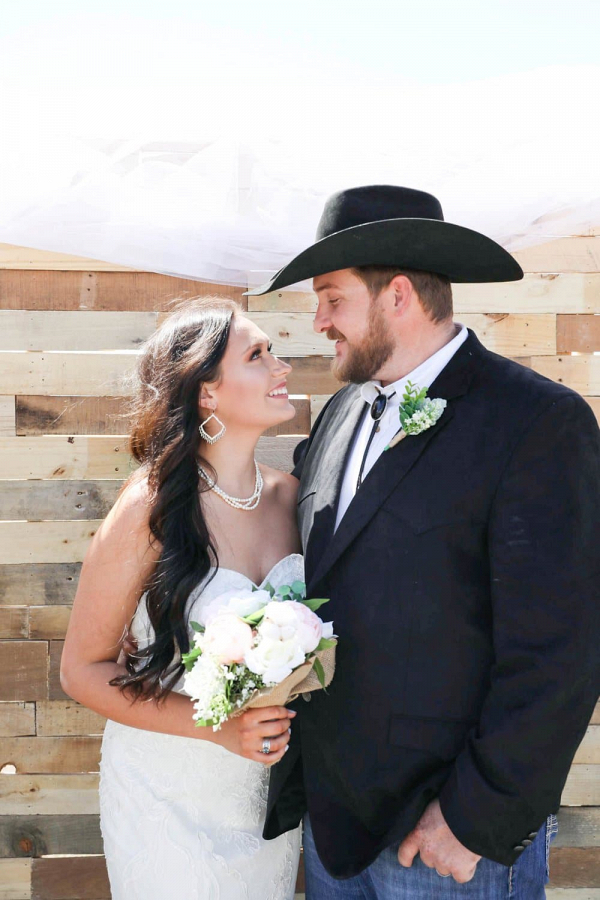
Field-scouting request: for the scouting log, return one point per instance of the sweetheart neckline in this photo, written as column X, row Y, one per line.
column 266, row 578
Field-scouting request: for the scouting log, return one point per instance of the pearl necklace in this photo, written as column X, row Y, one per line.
column 237, row 502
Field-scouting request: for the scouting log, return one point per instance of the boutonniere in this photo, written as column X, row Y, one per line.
column 417, row 412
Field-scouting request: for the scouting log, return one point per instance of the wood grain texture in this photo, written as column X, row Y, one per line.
column 573, row 867
column 66, row 717
column 23, row 670
column 71, row 415
column 48, row 622
column 38, row 500
column 15, row 879
column 65, row 457
column 55, row 691
column 39, row 583
column 51, row 755
column 568, row 254
column 26, row 795
column 577, row 827
column 69, row 878
column 581, row 373
column 14, row 622
column 16, row 257
column 582, row 787
column 32, row 542
column 88, row 330
column 578, row 334
column 103, row 291
column 7, row 416
column 572, row 893
column 17, row 718
column 34, row 836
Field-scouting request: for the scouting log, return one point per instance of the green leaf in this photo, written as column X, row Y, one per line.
column 188, row 659
column 197, row 627
column 314, row 604
column 325, row 644
column 284, row 590
column 204, row 722
column 299, row 587
column 255, row 618
column 320, row 672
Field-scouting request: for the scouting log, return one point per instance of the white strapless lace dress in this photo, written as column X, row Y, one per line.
column 182, row 817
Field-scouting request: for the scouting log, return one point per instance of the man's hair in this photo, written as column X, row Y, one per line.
column 435, row 291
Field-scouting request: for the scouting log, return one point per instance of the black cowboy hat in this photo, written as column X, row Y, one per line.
column 384, row 225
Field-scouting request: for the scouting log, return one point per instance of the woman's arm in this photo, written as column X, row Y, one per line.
column 117, row 564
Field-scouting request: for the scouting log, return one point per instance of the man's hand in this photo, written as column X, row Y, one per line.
column 438, row 847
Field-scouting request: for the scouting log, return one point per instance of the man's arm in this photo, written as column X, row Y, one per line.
column 543, row 543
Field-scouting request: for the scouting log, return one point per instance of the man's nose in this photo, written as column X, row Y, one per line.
column 322, row 321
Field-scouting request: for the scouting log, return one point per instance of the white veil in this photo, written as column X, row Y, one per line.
column 234, row 193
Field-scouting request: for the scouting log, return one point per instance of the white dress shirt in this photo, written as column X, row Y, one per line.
column 389, row 424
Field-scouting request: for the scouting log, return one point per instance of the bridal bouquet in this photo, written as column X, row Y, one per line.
column 257, row 648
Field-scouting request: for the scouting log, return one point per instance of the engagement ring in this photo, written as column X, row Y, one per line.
column 266, row 747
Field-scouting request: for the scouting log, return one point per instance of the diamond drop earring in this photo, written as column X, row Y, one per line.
column 204, row 433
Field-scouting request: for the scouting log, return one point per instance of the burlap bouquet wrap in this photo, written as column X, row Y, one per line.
column 301, row 681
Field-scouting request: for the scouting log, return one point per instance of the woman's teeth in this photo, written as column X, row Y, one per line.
column 280, row 392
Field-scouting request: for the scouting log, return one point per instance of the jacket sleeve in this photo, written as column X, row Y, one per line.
column 543, row 544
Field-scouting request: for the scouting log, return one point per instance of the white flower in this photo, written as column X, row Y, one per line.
column 204, row 681
column 285, row 620
column 242, row 603
column 274, row 659
column 425, row 416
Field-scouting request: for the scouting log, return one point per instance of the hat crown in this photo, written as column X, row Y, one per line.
column 374, row 203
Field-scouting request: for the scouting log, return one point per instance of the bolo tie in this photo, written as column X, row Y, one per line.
column 378, row 408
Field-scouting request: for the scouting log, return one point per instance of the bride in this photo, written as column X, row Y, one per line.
column 182, row 807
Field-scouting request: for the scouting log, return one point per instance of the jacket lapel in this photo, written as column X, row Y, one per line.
column 341, row 430
column 389, row 470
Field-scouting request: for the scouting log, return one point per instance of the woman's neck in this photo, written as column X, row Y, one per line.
column 232, row 458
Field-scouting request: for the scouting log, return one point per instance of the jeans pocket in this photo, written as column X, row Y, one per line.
column 551, row 832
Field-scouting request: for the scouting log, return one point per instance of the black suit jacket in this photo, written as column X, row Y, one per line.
column 464, row 585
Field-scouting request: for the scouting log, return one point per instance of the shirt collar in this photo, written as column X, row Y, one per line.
column 424, row 374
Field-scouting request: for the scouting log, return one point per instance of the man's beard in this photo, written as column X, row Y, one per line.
column 362, row 363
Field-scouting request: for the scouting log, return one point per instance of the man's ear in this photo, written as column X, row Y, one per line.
column 403, row 291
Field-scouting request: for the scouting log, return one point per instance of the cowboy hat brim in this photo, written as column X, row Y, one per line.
column 429, row 245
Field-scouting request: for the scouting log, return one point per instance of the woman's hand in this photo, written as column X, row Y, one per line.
column 245, row 734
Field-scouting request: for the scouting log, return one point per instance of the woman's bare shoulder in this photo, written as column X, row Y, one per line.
column 283, row 485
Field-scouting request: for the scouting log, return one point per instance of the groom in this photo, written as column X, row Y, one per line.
column 461, row 558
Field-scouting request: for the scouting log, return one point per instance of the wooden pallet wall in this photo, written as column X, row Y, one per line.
column 69, row 331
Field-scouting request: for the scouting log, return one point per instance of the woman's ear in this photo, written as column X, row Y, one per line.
column 207, row 399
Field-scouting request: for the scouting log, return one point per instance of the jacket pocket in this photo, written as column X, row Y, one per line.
column 443, row 738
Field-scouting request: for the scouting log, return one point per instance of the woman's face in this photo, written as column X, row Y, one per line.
column 252, row 391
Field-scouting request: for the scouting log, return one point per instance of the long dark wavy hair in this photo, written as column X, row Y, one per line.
column 185, row 352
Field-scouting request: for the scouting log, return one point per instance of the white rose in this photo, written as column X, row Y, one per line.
column 274, row 660
column 241, row 603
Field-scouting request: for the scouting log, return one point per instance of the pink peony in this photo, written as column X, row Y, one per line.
column 309, row 628
column 227, row 639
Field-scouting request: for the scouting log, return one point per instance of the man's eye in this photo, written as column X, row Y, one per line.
column 333, row 302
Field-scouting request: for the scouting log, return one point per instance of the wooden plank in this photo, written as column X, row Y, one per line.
column 106, row 374
column 578, row 827
column 51, row 755
column 66, row 717
column 573, row 867
column 582, row 787
column 579, row 334
column 595, row 720
column 23, row 670
column 35, row 836
column 66, row 330
column 33, row 542
column 25, row 795
column 103, row 291
column 92, row 374
column 15, row 879
column 17, row 718
column 35, row 501
column 55, row 691
column 106, row 415
column 594, row 402
column 588, row 752
column 71, row 415
column 7, row 416
column 317, row 402
column 514, row 334
column 536, row 293
column 573, row 893
column 13, row 622
column 38, row 583
column 47, row 622
column 292, row 334
column 69, row 878
column 17, row 257
column 581, row 373
column 89, row 457
column 568, row 254
column 65, row 457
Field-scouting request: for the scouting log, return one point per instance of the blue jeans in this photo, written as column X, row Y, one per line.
column 386, row 879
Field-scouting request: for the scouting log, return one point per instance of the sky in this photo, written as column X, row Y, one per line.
column 118, row 65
